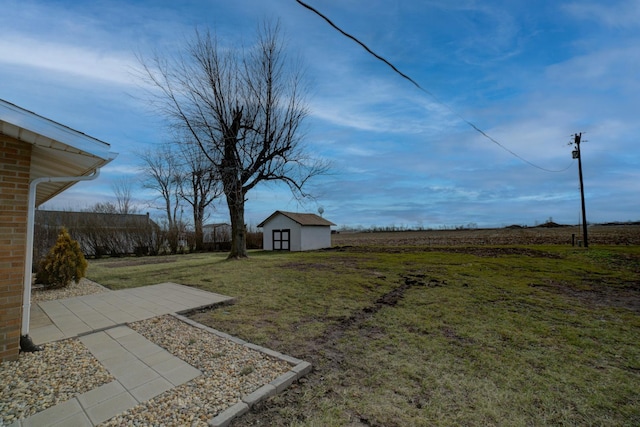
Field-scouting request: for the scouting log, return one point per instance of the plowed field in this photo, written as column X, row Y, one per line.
column 560, row 235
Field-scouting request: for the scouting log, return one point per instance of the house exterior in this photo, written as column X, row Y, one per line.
column 39, row 159
column 288, row 231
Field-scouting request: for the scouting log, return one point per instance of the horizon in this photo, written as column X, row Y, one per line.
column 548, row 223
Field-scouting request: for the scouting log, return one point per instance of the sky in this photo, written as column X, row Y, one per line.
column 485, row 142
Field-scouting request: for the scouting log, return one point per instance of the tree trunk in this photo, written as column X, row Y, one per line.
column 199, row 236
column 172, row 238
column 232, row 184
column 198, row 219
column 235, row 202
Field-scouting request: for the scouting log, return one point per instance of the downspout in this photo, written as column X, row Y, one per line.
column 25, row 341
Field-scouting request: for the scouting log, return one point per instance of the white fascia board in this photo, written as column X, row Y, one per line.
column 34, row 123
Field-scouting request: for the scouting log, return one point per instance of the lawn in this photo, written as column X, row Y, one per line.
column 422, row 336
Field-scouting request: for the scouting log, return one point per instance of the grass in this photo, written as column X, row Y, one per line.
column 530, row 335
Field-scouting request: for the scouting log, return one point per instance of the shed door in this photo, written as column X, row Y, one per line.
column 281, row 240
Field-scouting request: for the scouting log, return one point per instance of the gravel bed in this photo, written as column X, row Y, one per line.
column 37, row 381
column 83, row 287
column 230, row 371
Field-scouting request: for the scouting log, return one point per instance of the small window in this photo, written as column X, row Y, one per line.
column 281, row 240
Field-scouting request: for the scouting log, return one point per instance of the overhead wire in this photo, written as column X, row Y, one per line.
column 405, row 76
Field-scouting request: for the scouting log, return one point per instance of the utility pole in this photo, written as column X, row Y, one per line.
column 576, row 155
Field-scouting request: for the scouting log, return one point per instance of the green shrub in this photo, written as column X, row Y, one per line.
column 63, row 264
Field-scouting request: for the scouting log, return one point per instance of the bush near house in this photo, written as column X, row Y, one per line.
column 63, row 264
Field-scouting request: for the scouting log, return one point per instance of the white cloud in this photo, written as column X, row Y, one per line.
column 72, row 60
column 601, row 69
column 382, row 105
column 620, row 14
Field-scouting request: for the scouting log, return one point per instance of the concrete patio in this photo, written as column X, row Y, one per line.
column 72, row 317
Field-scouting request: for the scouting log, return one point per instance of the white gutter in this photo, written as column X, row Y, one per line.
column 26, row 299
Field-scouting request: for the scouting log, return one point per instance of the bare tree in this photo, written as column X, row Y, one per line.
column 199, row 186
column 244, row 109
column 161, row 171
column 122, row 189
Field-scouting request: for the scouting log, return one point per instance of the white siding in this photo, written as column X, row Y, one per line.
column 315, row 237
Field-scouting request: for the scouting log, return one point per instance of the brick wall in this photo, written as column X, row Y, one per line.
column 15, row 160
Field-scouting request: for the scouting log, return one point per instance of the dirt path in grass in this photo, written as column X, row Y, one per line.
column 329, row 358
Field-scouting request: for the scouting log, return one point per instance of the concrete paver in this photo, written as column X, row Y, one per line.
column 110, row 407
column 54, row 415
column 151, row 389
column 78, row 419
column 100, row 394
column 156, row 358
column 76, row 316
column 181, row 374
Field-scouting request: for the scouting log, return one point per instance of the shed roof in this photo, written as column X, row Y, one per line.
column 58, row 151
column 300, row 218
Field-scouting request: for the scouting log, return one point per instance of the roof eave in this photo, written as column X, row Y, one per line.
column 59, row 151
column 292, row 217
column 27, row 126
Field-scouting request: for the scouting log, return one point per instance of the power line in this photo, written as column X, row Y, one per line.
column 396, row 70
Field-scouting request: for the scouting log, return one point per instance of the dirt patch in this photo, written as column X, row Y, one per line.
column 493, row 252
column 452, row 335
column 305, row 266
column 132, row 262
column 480, row 251
column 605, row 234
column 326, row 355
column 338, row 264
column 333, row 333
column 595, row 293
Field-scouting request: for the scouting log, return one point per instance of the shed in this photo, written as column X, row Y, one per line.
column 39, row 158
column 288, row 231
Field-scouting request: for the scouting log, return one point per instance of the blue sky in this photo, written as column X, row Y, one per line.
column 529, row 74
